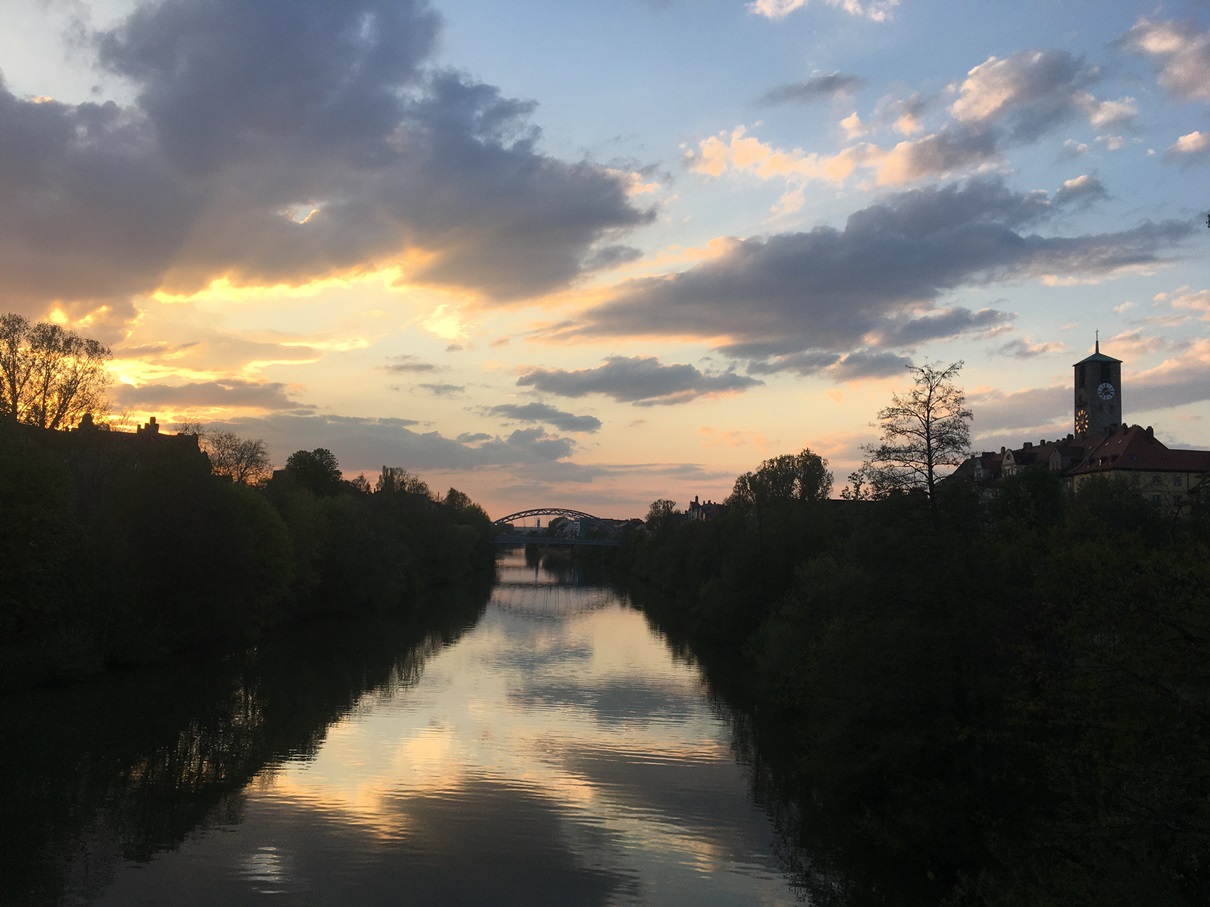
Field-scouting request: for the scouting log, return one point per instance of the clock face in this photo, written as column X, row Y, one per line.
column 1081, row 420
column 1105, row 391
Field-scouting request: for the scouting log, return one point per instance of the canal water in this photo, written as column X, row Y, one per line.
column 532, row 743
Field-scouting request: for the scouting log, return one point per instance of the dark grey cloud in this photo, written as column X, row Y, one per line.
column 1023, row 348
column 281, row 142
column 544, row 412
column 223, row 393
column 813, row 89
column 407, row 363
column 442, row 390
column 819, row 295
column 640, row 379
column 954, row 149
column 366, row 444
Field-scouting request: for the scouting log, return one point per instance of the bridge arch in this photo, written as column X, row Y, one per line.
column 545, row 511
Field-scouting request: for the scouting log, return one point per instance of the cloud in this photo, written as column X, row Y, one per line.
column 1032, row 92
column 1081, row 190
column 816, row 88
column 408, row 363
column 875, row 10
column 641, row 379
column 1180, row 52
column 877, row 282
column 368, row 443
column 948, row 151
column 443, row 390
column 1193, row 144
column 280, row 144
column 542, row 412
column 224, row 394
column 1024, row 348
column 1194, row 300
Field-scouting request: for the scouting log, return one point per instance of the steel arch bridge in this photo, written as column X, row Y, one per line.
column 545, row 511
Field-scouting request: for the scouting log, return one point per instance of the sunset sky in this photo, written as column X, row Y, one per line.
column 590, row 255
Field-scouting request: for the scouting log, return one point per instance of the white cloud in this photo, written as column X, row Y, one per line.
column 875, row 10
column 1180, row 52
column 1193, row 143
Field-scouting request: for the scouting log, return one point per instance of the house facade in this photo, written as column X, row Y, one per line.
column 1101, row 445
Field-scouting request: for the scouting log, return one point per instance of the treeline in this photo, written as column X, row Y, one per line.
column 1006, row 700
column 119, row 548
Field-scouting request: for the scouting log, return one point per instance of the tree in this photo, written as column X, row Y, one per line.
column 316, row 470
column 49, row 376
column 243, row 460
column 922, row 431
column 397, row 479
column 803, row 476
column 661, row 513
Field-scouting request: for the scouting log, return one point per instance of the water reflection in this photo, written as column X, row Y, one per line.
column 552, row 754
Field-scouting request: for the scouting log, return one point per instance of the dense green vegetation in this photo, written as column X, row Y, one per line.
column 119, row 548
column 1007, row 702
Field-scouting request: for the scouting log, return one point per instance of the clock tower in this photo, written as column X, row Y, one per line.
column 1098, row 401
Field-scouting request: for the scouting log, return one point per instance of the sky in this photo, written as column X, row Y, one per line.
column 592, row 255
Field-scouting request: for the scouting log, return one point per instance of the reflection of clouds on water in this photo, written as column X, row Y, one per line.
column 613, row 702
column 564, row 760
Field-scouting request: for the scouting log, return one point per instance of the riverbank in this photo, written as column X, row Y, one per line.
column 125, row 549
column 1006, row 708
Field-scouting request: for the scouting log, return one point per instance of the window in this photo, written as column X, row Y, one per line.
column 1176, row 481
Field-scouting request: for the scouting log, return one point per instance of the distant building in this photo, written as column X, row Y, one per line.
column 699, row 512
column 1101, row 445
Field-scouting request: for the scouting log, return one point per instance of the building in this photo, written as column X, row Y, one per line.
column 1101, row 445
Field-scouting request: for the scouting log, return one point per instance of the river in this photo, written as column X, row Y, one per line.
column 534, row 743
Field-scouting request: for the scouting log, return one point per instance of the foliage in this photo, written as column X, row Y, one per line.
column 49, row 376
column 396, row 479
column 661, row 513
column 802, row 477
column 119, row 548
column 1012, row 700
column 316, row 470
column 922, row 431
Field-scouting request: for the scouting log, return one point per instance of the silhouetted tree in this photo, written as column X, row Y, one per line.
column 243, row 460
column 49, row 376
column 922, row 431
column 316, row 470
column 661, row 513
column 803, row 476
column 398, row 479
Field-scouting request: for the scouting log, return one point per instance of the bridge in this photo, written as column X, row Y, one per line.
column 533, row 538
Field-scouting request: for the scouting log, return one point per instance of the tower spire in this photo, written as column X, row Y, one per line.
column 1098, row 333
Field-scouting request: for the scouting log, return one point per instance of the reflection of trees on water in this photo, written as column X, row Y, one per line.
column 571, row 566
column 824, row 861
column 130, row 764
column 552, row 585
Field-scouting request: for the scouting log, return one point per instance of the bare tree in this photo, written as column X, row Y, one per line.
column 922, row 431
column 239, row 459
column 49, row 376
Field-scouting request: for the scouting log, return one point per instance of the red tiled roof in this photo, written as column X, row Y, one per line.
column 1134, row 447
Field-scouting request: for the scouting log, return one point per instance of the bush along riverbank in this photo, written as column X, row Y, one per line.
column 125, row 548
column 1005, row 701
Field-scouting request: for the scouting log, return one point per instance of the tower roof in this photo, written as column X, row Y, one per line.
column 1098, row 356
